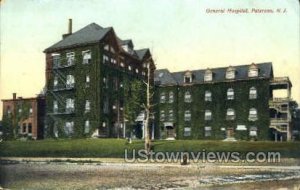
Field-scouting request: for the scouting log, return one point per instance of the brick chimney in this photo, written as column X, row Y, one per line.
column 14, row 96
column 69, row 29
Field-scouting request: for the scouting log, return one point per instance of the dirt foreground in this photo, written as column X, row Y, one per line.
column 115, row 174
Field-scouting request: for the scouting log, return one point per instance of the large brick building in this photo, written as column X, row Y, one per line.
column 26, row 115
column 85, row 75
column 219, row 103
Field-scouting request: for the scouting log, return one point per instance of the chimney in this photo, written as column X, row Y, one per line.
column 70, row 26
column 69, row 29
column 14, row 96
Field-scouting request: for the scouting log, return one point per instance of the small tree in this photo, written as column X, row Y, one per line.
column 134, row 91
column 7, row 127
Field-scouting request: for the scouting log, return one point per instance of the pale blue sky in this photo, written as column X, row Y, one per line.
column 180, row 33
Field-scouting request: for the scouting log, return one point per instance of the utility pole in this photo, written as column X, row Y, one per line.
column 148, row 109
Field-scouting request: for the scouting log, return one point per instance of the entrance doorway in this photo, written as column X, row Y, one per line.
column 229, row 133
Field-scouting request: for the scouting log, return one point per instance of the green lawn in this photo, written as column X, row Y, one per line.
column 114, row 148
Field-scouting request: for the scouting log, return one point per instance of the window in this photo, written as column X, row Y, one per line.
column 8, row 110
column 30, row 110
column 187, row 97
column 70, row 81
column 187, row 115
column 55, row 82
column 87, row 106
column 171, row 115
column 56, row 60
column 86, row 126
column 55, row 106
column 29, row 128
column 187, row 132
column 208, row 76
column 70, row 105
column 105, row 82
column 171, row 97
column 207, row 97
column 122, row 64
column 24, row 128
column 129, row 68
column 105, row 58
column 207, row 131
column 86, row 56
column 143, row 73
column 162, row 97
column 230, row 94
column 105, row 105
column 20, row 110
column 115, row 83
column 230, row 115
column 230, row 73
column 106, row 47
column 137, row 71
column 253, row 70
column 252, row 114
column 162, row 115
column 69, row 128
column 252, row 93
column 253, row 131
column 70, row 58
column 208, row 115
column 87, row 81
column 113, row 61
column 112, row 49
column 188, row 77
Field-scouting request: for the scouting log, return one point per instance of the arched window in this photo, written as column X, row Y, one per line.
column 230, row 94
column 208, row 115
column 207, row 96
column 253, row 70
column 171, row 97
column 230, row 115
column 187, row 97
column 252, row 114
column 187, row 115
column 252, row 93
column 230, row 72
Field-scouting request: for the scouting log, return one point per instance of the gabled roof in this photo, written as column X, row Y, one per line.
column 126, row 42
column 141, row 53
column 265, row 71
column 92, row 33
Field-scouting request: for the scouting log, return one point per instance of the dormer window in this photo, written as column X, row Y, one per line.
column 208, row 76
column 253, row 70
column 230, row 73
column 188, row 77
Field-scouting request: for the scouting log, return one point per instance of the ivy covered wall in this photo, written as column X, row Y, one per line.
column 218, row 106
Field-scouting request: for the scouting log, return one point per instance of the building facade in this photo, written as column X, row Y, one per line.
column 236, row 102
column 85, row 76
column 26, row 114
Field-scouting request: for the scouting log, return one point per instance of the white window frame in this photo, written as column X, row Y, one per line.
column 86, row 126
column 253, row 131
column 207, row 96
column 70, row 105
column 171, row 115
column 252, row 72
column 163, row 97
column 187, row 97
column 87, row 106
column 187, row 115
column 69, row 128
column 207, row 131
column 70, row 81
column 252, row 114
column 208, row 115
column 252, row 93
column 171, row 97
column 162, row 115
column 70, row 58
column 208, row 76
column 55, row 106
column 230, row 114
column 86, row 57
column 187, row 132
column 230, row 94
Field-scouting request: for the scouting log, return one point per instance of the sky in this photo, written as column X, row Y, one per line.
column 180, row 34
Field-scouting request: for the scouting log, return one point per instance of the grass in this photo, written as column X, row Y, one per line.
column 114, row 148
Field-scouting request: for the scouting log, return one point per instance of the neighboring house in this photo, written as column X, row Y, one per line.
column 218, row 103
column 296, row 128
column 27, row 114
column 85, row 74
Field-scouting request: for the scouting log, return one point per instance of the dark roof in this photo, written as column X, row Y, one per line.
column 168, row 78
column 141, row 53
column 126, row 42
column 92, row 33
